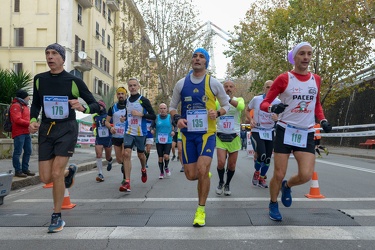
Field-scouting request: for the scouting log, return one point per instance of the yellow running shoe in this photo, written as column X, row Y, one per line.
column 209, row 175
column 200, row 218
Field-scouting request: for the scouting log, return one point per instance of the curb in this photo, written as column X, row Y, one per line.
column 35, row 180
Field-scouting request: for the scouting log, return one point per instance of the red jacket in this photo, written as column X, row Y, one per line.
column 20, row 118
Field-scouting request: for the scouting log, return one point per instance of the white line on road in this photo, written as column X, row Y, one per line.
column 347, row 166
column 188, row 233
column 194, row 199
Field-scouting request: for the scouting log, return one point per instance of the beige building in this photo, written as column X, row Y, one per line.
column 84, row 27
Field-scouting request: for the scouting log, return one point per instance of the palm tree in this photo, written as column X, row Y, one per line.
column 10, row 82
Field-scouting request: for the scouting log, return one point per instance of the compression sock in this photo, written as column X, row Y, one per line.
column 221, row 174
column 264, row 169
column 230, row 174
column 161, row 167
column 99, row 164
column 257, row 165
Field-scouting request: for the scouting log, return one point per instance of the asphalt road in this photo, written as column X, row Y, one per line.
column 158, row 214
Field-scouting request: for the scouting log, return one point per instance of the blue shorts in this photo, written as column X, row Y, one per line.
column 138, row 141
column 195, row 145
column 104, row 141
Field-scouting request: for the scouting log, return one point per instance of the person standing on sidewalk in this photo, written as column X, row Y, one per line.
column 298, row 91
column 163, row 129
column 138, row 111
column 103, row 140
column 262, row 135
column 20, row 119
column 228, row 141
column 115, row 122
column 197, row 93
column 56, row 92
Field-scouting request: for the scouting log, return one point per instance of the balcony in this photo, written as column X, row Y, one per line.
column 113, row 5
column 86, row 3
column 83, row 64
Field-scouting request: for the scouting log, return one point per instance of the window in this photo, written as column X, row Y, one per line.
column 17, row 67
column 97, row 34
column 98, row 5
column 109, row 17
column 96, row 58
column 108, row 66
column 103, row 36
column 109, row 42
column 77, row 41
column 18, row 37
column 79, row 14
column 104, row 14
column 101, row 61
column 16, row 5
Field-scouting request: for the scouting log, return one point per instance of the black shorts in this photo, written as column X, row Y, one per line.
column 163, row 149
column 104, row 141
column 280, row 147
column 57, row 140
column 117, row 141
column 175, row 137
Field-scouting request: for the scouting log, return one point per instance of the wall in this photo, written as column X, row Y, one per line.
column 6, row 148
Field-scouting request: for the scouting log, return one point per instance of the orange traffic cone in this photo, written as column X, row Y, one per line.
column 48, row 185
column 314, row 188
column 66, row 202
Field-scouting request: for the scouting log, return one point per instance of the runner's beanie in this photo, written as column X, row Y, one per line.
column 60, row 49
column 205, row 53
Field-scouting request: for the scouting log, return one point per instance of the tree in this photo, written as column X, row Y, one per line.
column 339, row 31
column 173, row 29
column 11, row 81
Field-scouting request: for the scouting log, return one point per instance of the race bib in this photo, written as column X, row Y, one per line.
column 56, row 107
column 295, row 136
column 120, row 128
column 162, row 138
column 103, row 131
column 265, row 134
column 197, row 120
column 226, row 123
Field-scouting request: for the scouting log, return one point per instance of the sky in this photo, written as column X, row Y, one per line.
column 224, row 14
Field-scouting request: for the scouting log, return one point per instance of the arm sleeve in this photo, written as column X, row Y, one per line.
column 318, row 106
column 146, row 104
column 220, row 93
column 35, row 105
column 278, row 87
column 241, row 103
column 176, row 96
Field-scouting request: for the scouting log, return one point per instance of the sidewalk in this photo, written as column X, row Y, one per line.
column 85, row 159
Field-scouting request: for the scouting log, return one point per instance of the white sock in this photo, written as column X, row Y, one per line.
column 99, row 164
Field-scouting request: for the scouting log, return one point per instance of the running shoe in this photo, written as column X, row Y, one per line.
column 182, row 169
column 256, row 178
column 262, row 183
column 69, row 179
column 209, row 175
column 274, row 211
column 219, row 189
column 161, row 176
column 125, row 187
column 168, row 172
column 200, row 218
column 109, row 166
column 57, row 224
column 144, row 175
column 319, row 156
column 286, row 197
column 173, row 158
column 100, row 178
column 227, row 191
column 326, row 151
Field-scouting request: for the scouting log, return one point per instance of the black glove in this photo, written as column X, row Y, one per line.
column 326, row 126
column 278, row 108
column 176, row 117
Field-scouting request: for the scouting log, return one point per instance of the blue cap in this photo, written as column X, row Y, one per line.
column 205, row 53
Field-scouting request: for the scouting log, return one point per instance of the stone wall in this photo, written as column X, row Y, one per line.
column 6, row 148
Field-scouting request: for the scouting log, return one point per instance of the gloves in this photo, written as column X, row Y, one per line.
column 278, row 108
column 326, row 126
column 176, row 117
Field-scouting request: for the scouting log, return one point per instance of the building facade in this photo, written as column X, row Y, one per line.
column 86, row 28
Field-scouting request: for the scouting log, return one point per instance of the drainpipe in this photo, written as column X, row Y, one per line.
column 57, row 20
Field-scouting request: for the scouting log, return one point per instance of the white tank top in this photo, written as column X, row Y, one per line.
column 262, row 119
column 301, row 98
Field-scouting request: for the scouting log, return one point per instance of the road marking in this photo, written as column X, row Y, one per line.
column 347, row 166
column 359, row 212
column 127, row 200
column 186, row 233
